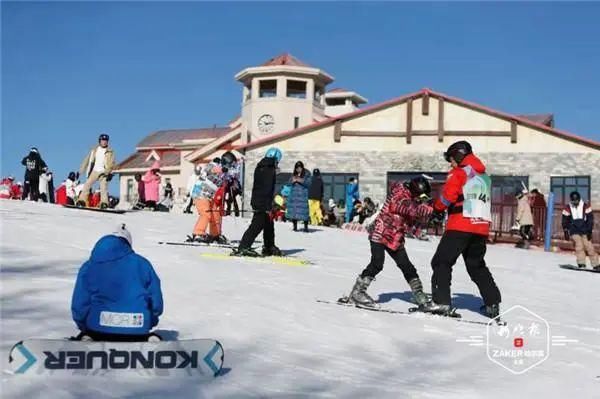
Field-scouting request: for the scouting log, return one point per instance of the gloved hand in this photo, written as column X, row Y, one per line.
column 109, row 177
column 567, row 235
column 436, row 218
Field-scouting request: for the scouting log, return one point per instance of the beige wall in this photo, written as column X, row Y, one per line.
column 455, row 118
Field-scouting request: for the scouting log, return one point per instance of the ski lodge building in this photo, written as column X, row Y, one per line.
column 288, row 104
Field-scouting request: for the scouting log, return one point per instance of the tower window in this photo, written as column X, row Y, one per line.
column 336, row 101
column 267, row 88
column 296, row 122
column 296, row 89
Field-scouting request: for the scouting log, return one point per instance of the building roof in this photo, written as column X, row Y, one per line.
column 285, row 59
column 338, row 90
column 398, row 100
column 139, row 160
column 543, row 119
column 168, row 138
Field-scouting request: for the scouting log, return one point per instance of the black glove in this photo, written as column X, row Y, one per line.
column 109, row 177
column 567, row 235
column 436, row 218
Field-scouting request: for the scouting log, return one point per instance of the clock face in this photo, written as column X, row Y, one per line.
column 266, row 123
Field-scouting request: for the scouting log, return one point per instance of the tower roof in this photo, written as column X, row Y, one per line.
column 286, row 59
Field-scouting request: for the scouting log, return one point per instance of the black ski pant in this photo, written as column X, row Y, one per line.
column 236, row 209
column 399, row 256
column 525, row 232
column 31, row 187
column 260, row 222
column 188, row 208
column 472, row 247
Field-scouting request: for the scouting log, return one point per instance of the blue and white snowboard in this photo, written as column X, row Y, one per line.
column 201, row 358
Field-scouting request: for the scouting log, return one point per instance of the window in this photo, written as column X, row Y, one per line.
column 296, row 89
column 296, row 122
column 563, row 186
column 336, row 101
column 267, row 88
column 504, row 188
column 334, row 185
column 130, row 190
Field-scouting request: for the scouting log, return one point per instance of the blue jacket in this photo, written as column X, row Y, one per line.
column 351, row 195
column 297, row 201
column 117, row 291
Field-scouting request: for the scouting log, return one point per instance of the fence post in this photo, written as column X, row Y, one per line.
column 549, row 217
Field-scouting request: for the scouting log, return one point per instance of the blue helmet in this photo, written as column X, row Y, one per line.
column 274, row 152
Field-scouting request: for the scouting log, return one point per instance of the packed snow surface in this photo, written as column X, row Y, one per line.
column 279, row 342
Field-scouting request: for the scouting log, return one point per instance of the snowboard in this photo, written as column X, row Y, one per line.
column 201, row 358
column 197, row 244
column 581, row 269
column 410, row 311
column 107, row 210
column 281, row 260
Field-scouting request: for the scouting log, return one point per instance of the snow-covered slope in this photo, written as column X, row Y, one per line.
column 279, row 342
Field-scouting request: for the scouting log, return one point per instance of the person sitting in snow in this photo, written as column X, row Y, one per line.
column 117, row 295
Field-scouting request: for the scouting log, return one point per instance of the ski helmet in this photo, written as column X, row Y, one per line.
column 198, row 169
column 274, row 152
column 72, row 176
column 228, row 159
column 122, row 232
column 458, row 151
column 575, row 196
column 103, row 136
column 419, row 187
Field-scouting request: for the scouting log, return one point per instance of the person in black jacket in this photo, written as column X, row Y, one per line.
column 315, row 197
column 263, row 191
column 34, row 164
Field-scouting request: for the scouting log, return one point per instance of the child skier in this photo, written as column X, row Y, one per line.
column 117, row 295
column 404, row 205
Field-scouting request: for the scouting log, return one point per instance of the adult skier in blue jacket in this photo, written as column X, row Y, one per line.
column 351, row 195
column 117, row 296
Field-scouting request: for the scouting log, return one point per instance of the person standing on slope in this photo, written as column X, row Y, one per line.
column 263, row 191
column 351, row 195
column 117, row 295
column 97, row 166
column 34, row 165
column 467, row 197
column 297, row 201
column 406, row 203
column 578, row 223
column 152, row 179
column 315, row 197
column 524, row 219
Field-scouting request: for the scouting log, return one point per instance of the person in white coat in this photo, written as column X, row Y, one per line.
column 190, row 187
column 44, row 183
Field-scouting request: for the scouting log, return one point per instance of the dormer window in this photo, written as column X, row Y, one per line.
column 296, row 89
column 267, row 88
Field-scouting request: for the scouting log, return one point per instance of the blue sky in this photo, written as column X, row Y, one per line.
column 73, row 70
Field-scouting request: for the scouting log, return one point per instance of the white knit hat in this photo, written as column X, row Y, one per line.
column 121, row 231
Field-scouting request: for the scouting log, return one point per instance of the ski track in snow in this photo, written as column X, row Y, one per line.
column 279, row 342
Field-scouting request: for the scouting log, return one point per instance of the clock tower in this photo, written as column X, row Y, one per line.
column 282, row 94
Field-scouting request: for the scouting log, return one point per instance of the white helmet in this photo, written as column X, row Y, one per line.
column 198, row 169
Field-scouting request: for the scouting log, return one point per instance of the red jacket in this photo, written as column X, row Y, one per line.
column 398, row 213
column 452, row 198
column 60, row 195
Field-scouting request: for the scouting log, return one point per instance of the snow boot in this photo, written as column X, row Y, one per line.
column 272, row 251
column 103, row 205
column 220, row 239
column 359, row 295
column 581, row 265
column 80, row 204
column 245, row 252
column 203, row 238
column 491, row 311
column 419, row 296
column 596, row 268
column 439, row 309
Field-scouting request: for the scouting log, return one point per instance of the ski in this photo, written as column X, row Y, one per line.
column 197, row 244
column 107, row 210
column 410, row 312
column 581, row 269
column 201, row 358
column 282, row 260
column 456, row 316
